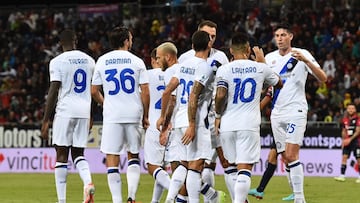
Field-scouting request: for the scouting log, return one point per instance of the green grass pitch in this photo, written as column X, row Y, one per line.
column 28, row 188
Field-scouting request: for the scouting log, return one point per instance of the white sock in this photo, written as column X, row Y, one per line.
column 61, row 172
column 133, row 177
column 209, row 192
column 84, row 171
column 177, row 181
column 181, row 198
column 207, row 176
column 230, row 176
column 114, row 182
column 288, row 177
column 162, row 177
column 297, row 178
column 157, row 192
column 242, row 185
column 193, row 185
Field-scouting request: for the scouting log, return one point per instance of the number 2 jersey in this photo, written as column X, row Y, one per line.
column 120, row 73
column 156, row 88
column 191, row 70
column 74, row 69
column 243, row 80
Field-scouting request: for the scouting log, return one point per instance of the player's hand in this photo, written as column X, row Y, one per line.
column 346, row 141
column 160, row 123
column 259, row 54
column 163, row 138
column 45, row 130
column 188, row 136
column 270, row 91
column 145, row 123
column 298, row 55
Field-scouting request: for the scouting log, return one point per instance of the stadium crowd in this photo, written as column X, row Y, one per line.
column 28, row 41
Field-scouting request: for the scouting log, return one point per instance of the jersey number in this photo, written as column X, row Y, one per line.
column 158, row 103
column 80, row 81
column 126, row 81
column 239, row 93
column 185, row 90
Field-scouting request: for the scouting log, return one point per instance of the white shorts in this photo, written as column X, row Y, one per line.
column 175, row 150
column 241, row 146
column 119, row 137
column 200, row 147
column 288, row 130
column 70, row 131
column 153, row 151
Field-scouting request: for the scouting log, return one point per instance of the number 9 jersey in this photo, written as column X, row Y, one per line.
column 74, row 69
column 120, row 73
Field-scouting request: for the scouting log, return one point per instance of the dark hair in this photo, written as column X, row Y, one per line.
column 207, row 23
column 67, row 37
column 240, row 38
column 200, row 40
column 118, row 36
column 153, row 53
column 284, row 26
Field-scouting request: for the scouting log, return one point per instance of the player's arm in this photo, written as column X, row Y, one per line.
column 96, row 94
column 316, row 70
column 268, row 97
column 192, row 109
column 220, row 103
column 50, row 107
column 145, row 99
column 174, row 82
column 356, row 133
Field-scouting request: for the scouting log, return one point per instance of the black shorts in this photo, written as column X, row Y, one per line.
column 352, row 147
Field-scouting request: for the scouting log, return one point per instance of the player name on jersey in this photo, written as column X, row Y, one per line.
column 237, row 70
column 118, row 61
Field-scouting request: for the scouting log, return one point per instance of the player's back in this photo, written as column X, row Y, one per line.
column 120, row 73
column 156, row 88
column 186, row 75
column 244, row 81
column 74, row 69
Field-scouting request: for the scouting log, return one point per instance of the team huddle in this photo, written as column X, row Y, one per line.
column 196, row 108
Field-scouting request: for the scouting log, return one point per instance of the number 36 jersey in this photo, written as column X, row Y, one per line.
column 243, row 80
column 120, row 73
column 74, row 69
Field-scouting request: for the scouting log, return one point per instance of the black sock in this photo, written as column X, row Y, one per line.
column 343, row 169
column 269, row 172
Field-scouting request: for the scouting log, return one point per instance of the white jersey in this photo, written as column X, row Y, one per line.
column 216, row 57
column 74, row 69
column 193, row 69
column 120, row 73
column 156, row 88
column 244, row 81
column 291, row 98
column 170, row 72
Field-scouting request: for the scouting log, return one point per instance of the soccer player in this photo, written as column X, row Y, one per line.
column 70, row 96
column 239, row 86
column 216, row 59
column 351, row 140
column 122, row 76
column 289, row 113
column 153, row 151
column 183, row 82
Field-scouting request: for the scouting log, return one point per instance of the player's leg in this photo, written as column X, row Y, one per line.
column 61, row 172
column 357, row 156
column 177, row 151
column 269, row 172
column 294, row 137
column 61, row 140
column 345, row 155
column 247, row 149
column 133, row 136
column 112, row 142
column 154, row 158
column 81, row 132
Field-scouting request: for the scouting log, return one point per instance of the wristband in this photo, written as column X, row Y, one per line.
column 217, row 115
